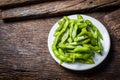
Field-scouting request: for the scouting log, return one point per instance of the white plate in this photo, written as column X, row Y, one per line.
column 98, row 58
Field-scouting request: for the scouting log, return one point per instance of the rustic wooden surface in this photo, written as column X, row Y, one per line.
column 13, row 2
column 5, row 4
column 113, row 20
column 24, row 53
column 57, row 7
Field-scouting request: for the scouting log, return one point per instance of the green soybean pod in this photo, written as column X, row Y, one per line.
column 80, row 61
column 56, row 33
column 69, row 40
column 74, row 33
column 75, row 55
column 100, row 46
column 66, row 46
column 71, row 29
column 65, row 36
column 87, row 55
column 72, row 56
column 61, row 32
column 97, row 31
column 80, row 49
column 94, row 28
column 61, row 52
column 80, row 55
column 95, row 34
column 66, row 18
column 84, row 41
column 80, row 18
column 89, row 34
column 99, row 34
column 93, row 41
column 62, row 58
column 89, row 61
column 80, row 38
column 69, row 60
column 74, row 44
column 82, row 25
column 54, row 44
column 88, row 22
column 61, row 24
column 83, row 32
column 56, row 53
column 96, row 48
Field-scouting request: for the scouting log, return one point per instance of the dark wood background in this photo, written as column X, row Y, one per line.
column 24, row 29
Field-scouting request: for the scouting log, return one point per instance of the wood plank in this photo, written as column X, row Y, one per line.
column 4, row 4
column 113, row 21
column 57, row 7
column 37, row 76
column 11, row 2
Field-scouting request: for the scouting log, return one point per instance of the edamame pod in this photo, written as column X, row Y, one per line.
column 80, row 49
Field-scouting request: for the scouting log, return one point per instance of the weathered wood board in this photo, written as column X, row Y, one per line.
column 58, row 8
column 113, row 20
column 24, row 53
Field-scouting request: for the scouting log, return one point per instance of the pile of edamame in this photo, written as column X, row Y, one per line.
column 76, row 40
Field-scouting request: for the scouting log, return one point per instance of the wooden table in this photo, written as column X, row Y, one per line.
column 24, row 52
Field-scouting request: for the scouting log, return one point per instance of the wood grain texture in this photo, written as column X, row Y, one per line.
column 6, row 4
column 57, row 7
column 11, row 2
column 24, row 54
column 113, row 20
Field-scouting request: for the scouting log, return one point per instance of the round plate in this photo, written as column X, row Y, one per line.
column 97, row 59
